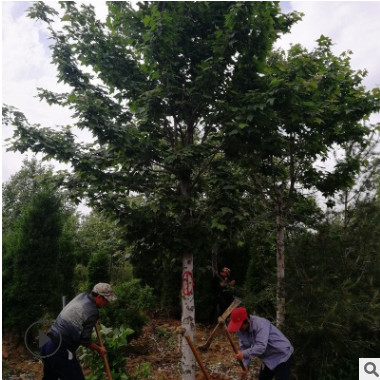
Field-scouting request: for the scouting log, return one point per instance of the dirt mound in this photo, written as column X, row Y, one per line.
column 157, row 350
column 18, row 363
column 160, row 345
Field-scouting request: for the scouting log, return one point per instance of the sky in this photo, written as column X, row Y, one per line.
column 26, row 61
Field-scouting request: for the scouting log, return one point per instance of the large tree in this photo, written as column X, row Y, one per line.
column 151, row 84
column 307, row 105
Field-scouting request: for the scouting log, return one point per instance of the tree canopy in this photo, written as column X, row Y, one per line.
column 151, row 84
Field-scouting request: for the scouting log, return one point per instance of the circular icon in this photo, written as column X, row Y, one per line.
column 372, row 370
column 36, row 336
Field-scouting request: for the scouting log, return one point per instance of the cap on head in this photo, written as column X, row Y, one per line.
column 105, row 290
column 225, row 272
column 238, row 316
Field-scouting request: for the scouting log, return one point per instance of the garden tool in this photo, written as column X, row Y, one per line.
column 221, row 321
column 106, row 364
column 197, row 356
column 228, row 335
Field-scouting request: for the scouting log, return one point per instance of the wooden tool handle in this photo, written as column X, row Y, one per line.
column 228, row 335
column 197, row 356
column 221, row 321
column 106, row 364
column 206, row 346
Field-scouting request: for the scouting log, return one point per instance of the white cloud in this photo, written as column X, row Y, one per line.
column 25, row 66
column 351, row 26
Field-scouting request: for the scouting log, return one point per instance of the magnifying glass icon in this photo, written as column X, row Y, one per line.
column 370, row 368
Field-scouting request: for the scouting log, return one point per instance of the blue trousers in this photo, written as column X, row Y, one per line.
column 63, row 365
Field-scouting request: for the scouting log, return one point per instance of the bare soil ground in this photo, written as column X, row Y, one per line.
column 159, row 345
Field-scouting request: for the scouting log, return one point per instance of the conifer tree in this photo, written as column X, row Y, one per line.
column 32, row 277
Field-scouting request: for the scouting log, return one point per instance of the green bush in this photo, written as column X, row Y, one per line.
column 143, row 371
column 98, row 268
column 114, row 339
column 133, row 301
column 80, row 280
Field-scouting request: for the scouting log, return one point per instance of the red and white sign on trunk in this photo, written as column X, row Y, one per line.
column 187, row 283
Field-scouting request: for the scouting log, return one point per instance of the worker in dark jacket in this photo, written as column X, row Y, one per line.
column 259, row 337
column 225, row 293
column 72, row 328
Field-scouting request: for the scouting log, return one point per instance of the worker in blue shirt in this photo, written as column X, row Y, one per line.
column 259, row 337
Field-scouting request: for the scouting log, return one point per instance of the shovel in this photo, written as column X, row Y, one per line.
column 228, row 335
column 106, row 364
column 221, row 321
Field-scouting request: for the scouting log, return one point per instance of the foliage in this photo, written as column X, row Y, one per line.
column 17, row 193
column 260, row 278
column 133, row 301
column 192, row 117
column 366, row 182
column 67, row 258
column 114, row 339
column 101, row 247
column 5, row 371
column 143, row 371
column 151, row 84
column 97, row 233
column 333, row 295
column 80, row 279
column 306, row 104
column 33, row 262
column 206, row 294
column 98, row 268
column 261, row 240
column 159, row 76
column 160, row 272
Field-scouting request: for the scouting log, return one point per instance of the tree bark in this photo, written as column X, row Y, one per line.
column 188, row 307
column 280, row 309
column 214, row 259
column 188, row 317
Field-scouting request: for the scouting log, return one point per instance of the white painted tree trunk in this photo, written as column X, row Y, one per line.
column 188, row 317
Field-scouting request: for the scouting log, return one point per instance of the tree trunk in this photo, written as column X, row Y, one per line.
column 280, row 309
column 188, row 317
column 188, row 307
column 214, row 259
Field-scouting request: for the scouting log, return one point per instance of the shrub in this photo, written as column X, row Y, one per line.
column 98, row 268
column 114, row 339
column 133, row 301
column 80, row 280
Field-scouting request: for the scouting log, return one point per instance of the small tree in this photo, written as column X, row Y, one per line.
column 99, row 233
column 335, row 295
column 32, row 280
column 307, row 104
